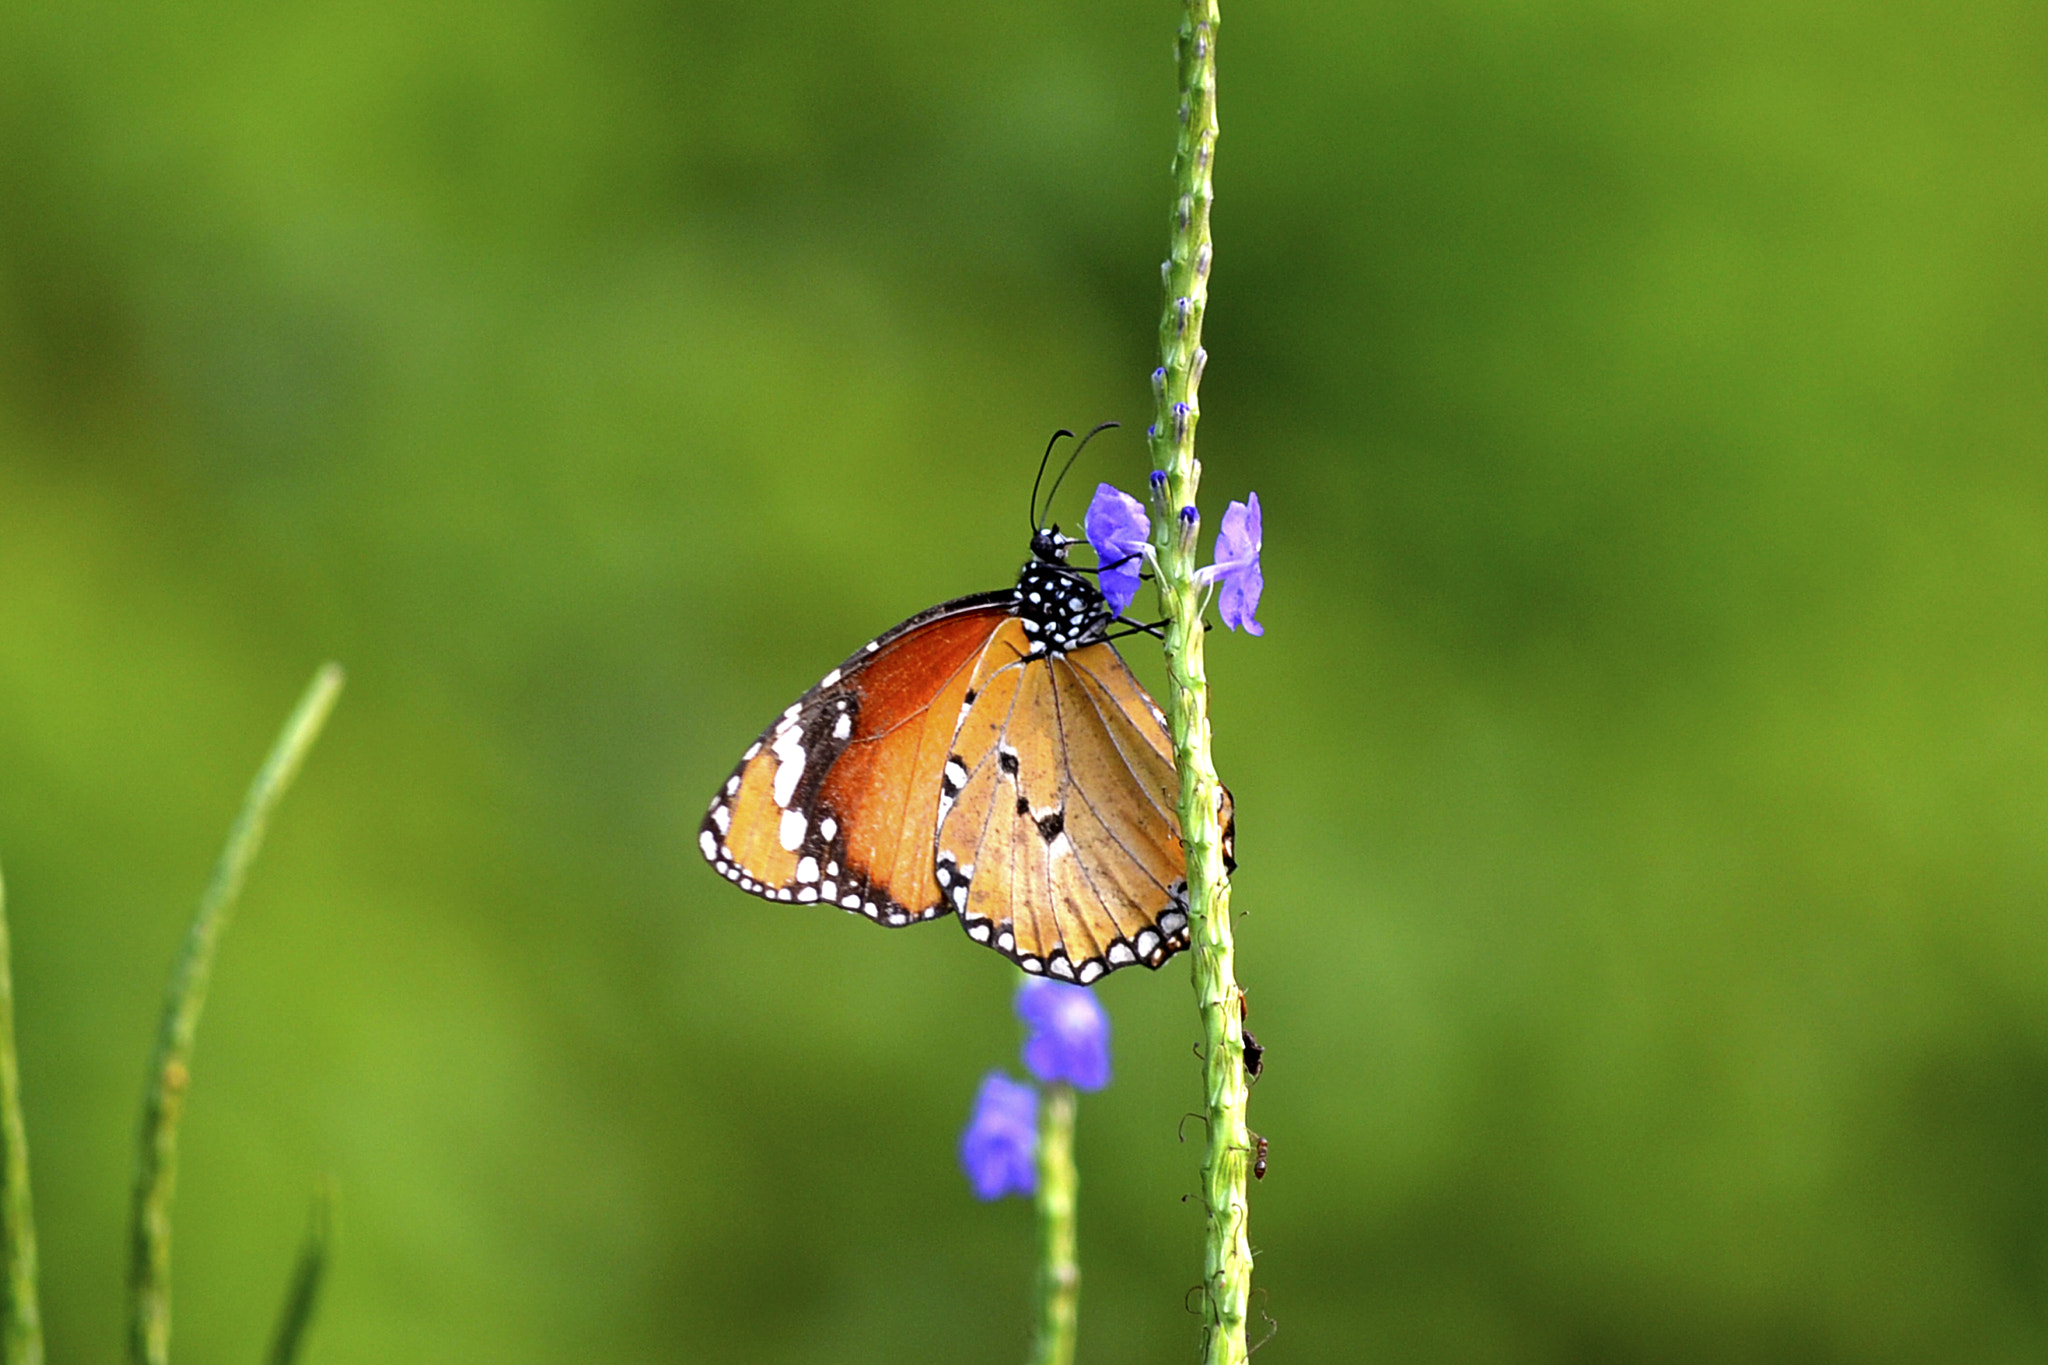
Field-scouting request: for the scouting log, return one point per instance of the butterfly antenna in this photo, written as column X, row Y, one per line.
column 1093, row 432
column 1041, row 472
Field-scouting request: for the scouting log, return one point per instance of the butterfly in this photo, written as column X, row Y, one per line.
column 992, row 757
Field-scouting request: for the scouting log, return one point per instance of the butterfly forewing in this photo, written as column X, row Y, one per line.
column 837, row 800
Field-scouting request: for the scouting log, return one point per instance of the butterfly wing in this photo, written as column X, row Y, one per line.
column 1058, row 841
column 837, row 801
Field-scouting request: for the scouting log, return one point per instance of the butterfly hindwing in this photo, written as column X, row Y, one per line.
column 1058, row 840
column 837, row 800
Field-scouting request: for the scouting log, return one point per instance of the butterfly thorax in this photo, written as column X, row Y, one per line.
column 1060, row 609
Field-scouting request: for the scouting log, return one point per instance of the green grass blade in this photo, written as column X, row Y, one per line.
column 170, row 1068
column 21, row 1317
column 304, row 1291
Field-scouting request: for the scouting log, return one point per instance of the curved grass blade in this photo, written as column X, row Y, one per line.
column 304, row 1291
column 21, row 1318
column 149, row 1270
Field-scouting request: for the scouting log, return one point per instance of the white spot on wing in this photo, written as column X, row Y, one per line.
column 793, row 826
column 828, row 828
column 829, row 678
column 708, row 844
column 721, row 816
column 1091, row 969
column 843, row 727
column 1121, row 955
column 788, row 773
column 807, row 869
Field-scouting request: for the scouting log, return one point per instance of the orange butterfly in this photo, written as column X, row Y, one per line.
column 993, row 757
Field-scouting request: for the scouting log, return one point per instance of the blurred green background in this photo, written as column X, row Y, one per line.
column 1642, row 783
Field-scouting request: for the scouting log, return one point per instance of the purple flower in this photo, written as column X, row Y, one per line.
column 1237, row 567
column 1118, row 528
column 1069, row 1033
column 999, row 1150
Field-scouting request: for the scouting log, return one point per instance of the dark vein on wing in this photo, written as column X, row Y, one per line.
column 1001, row 734
column 1172, row 817
column 1107, row 828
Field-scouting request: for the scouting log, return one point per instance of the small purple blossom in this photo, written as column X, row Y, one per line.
column 999, row 1150
column 1237, row 567
column 1119, row 530
column 1069, row 1033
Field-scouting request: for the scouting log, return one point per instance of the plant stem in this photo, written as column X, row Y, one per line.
column 149, row 1271
column 1227, row 1262
column 21, row 1318
column 1059, row 1275
column 304, row 1291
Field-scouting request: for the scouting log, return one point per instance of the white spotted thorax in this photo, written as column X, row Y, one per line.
column 1058, row 607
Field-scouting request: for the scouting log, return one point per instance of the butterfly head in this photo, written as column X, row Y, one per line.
column 1048, row 546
